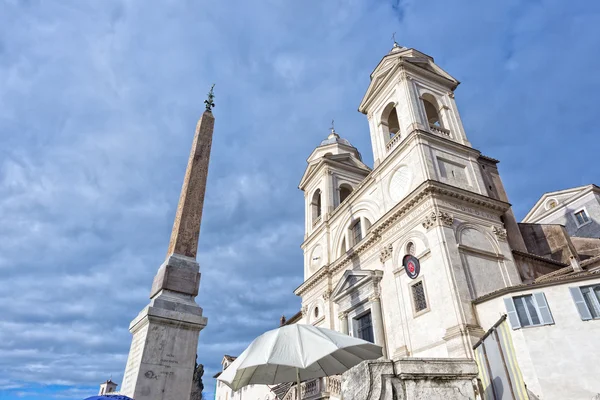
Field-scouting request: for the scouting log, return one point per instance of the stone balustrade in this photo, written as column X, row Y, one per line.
column 439, row 130
column 320, row 388
column 393, row 142
column 317, row 220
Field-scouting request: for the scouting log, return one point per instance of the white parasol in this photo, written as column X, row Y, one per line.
column 297, row 353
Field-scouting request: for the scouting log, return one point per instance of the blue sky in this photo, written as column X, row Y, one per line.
column 98, row 104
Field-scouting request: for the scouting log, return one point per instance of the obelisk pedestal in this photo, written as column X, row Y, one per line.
column 162, row 356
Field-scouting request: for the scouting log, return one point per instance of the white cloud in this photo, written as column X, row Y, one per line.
column 99, row 104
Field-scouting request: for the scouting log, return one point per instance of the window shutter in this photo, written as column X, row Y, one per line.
column 512, row 313
column 577, row 296
column 543, row 308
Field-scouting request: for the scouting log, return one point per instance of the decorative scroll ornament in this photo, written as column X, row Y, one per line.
column 374, row 297
column 386, row 253
column 304, row 310
column 209, row 101
column 343, row 315
column 326, row 295
column 499, row 232
column 440, row 217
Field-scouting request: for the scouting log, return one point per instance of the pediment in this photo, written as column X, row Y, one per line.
column 560, row 197
column 346, row 159
column 389, row 66
column 339, row 161
column 352, row 279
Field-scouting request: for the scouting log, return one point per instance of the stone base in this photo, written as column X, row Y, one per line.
column 162, row 356
column 411, row 378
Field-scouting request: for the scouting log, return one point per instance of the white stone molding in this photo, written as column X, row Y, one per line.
column 326, row 295
column 485, row 206
column 304, row 310
column 386, row 253
column 500, row 233
column 438, row 218
column 374, row 297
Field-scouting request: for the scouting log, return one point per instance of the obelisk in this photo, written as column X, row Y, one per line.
column 162, row 356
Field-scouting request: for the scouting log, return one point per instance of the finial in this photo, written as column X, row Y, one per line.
column 209, row 102
column 394, row 40
column 332, row 126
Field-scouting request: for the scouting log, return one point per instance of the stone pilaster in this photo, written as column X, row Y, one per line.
column 378, row 327
column 343, row 317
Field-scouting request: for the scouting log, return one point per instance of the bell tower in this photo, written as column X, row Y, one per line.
column 335, row 169
column 409, row 91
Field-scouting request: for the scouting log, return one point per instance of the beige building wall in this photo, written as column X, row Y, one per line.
column 561, row 360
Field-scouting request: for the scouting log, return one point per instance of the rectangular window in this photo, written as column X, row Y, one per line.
column 528, row 310
column 418, row 294
column 587, row 301
column 356, row 232
column 581, row 217
column 591, row 295
column 364, row 327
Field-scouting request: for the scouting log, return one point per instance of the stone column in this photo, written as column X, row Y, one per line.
column 377, row 316
column 343, row 316
column 327, row 200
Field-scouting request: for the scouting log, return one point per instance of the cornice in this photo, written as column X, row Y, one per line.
column 428, row 189
column 432, row 188
column 327, row 162
column 443, row 81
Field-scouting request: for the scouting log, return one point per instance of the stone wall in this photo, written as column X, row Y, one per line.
column 548, row 240
column 411, row 378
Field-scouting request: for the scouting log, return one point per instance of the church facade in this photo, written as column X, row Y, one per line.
column 422, row 254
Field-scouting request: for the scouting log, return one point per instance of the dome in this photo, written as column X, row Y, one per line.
column 334, row 138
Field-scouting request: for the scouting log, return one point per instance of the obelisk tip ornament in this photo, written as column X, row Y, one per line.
column 209, row 101
column 186, row 228
column 161, row 360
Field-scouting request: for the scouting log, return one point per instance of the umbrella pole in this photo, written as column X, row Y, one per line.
column 298, row 384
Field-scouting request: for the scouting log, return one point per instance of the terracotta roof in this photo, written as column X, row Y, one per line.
column 489, row 159
column 591, row 260
column 539, row 258
column 294, row 318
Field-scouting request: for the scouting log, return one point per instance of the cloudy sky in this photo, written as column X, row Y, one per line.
column 98, row 104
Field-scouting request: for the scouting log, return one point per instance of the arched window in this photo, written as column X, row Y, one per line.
column 356, row 230
column 316, row 205
column 390, row 123
column 431, row 110
column 410, row 248
column 345, row 191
